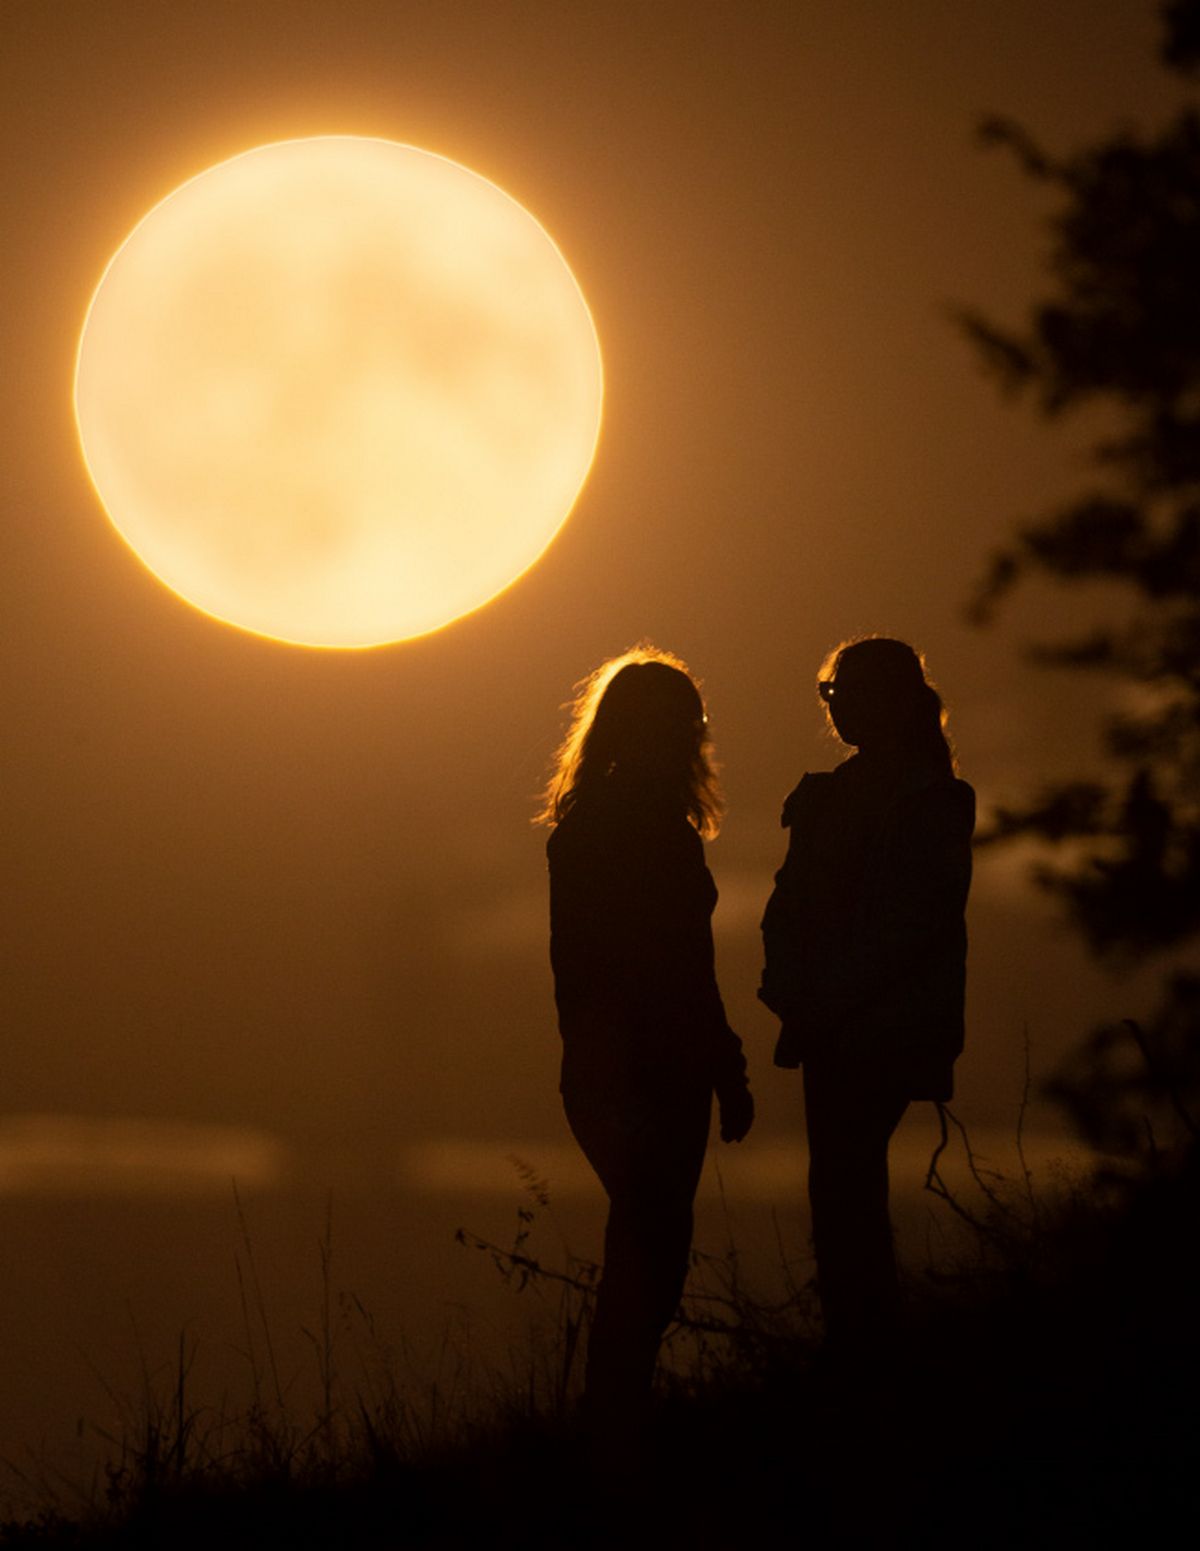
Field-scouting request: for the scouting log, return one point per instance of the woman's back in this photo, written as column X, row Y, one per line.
column 865, row 932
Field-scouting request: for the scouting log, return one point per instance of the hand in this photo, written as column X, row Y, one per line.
column 736, row 1106
column 788, row 1047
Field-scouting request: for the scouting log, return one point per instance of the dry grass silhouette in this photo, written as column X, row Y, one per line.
column 1046, row 1379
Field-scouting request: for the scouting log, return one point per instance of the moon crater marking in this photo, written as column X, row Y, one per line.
column 338, row 391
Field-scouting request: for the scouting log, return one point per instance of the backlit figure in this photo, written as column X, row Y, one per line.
column 645, row 1040
column 866, row 959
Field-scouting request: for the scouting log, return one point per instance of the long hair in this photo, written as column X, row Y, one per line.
column 907, row 693
column 630, row 707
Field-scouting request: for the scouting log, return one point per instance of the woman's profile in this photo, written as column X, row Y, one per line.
column 866, row 944
column 645, row 1042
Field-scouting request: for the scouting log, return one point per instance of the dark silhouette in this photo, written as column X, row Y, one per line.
column 1117, row 328
column 645, row 1041
column 866, row 959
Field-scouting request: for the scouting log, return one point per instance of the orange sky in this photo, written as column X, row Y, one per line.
column 249, row 884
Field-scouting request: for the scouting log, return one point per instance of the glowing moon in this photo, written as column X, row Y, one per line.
column 338, row 391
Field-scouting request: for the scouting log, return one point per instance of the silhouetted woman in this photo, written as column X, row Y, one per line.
column 866, row 948
column 645, row 1041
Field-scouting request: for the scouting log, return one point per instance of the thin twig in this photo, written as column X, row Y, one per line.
column 1161, row 1077
column 934, row 1182
column 1021, row 1112
column 532, row 1268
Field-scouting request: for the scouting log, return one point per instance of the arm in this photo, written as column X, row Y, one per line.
column 792, row 959
column 727, row 1062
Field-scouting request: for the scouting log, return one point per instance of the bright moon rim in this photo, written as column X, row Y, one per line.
column 338, row 391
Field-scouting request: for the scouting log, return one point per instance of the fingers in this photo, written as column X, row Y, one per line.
column 737, row 1116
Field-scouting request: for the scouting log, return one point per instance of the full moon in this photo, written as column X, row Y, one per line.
column 338, row 391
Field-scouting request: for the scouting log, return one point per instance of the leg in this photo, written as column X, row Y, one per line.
column 848, row 1135
column 646, row 1244
column 650, row 1172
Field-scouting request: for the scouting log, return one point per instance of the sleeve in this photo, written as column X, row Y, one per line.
column 782, row 922
column 729, row 1063
column 695, row 958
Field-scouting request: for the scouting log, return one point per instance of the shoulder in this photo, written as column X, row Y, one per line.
column 962, row 795
column 946, row 804
column 811, row 794
column 673, row 839
column 574, row 835
column 607, row 835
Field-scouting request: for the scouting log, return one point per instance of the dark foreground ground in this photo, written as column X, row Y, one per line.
column 1045, row 1395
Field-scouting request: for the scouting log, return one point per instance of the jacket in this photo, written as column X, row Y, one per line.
column 865, row 933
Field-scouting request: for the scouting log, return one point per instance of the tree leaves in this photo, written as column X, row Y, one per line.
column 1120, row 327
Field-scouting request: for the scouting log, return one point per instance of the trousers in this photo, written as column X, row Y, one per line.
column 849, row 1127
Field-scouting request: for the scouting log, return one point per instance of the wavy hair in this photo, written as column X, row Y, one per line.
column 616, row 710
column 900, row 672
